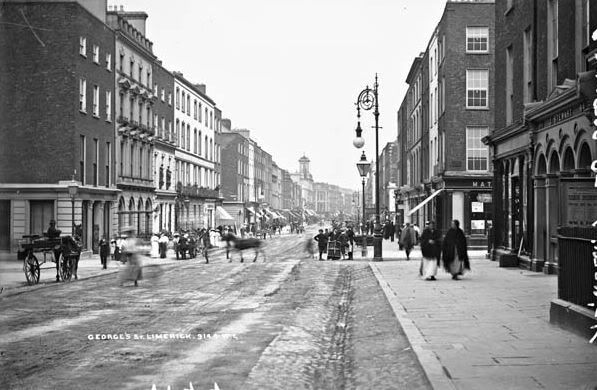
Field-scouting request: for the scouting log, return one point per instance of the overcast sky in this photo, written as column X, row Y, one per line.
column 291, row 71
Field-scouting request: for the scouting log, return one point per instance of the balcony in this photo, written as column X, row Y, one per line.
column 123, row 119
column 197, row 192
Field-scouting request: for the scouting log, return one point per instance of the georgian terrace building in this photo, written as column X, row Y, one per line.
column 135, row 127
column 197, row 183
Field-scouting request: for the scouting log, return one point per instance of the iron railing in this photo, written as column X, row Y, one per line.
column 576, row 275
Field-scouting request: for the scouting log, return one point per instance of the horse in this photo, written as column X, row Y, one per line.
column 241, row 244
column 70, row 251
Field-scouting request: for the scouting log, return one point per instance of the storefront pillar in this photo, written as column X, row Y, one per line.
column 458, row 207
column 540, row 230
column 552, row 219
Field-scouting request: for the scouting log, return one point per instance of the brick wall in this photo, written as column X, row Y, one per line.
column 456, row 117
column 40, row 83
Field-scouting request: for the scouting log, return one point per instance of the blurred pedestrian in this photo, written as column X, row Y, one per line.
column 134, row 269
column 392, row 230
column 417, row 233
column 408, row 239
column 431, row 250
column 454, row 251
column 163, row 244
column 104, row 251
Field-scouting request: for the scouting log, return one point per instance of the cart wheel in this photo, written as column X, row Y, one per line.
column 31, row 269
column 65, row 268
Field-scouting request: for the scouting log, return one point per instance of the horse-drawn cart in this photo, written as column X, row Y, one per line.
column 37, row 250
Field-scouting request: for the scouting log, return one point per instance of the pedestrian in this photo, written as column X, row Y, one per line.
column 408, row 239
column 343, row 239
column 163, row 244
column 104, row 251
column 431, row 250
column 322, row 242
column 134, row 268
column 392, row 231
column 386, row 230
column 417, row 233
column 350, row 235
column 155, row 245
column 119, row 249
column 454, row 251
column 113, row 248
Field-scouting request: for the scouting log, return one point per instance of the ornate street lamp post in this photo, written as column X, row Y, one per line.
column 73, row 187
column 367, row 100
column 363, row 166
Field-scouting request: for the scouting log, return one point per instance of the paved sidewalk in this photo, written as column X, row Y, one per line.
column 489, row 330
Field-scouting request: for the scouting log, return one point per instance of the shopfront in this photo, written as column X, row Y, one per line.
column 468, row 200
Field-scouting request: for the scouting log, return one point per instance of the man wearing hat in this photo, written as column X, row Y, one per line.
column 54, row 233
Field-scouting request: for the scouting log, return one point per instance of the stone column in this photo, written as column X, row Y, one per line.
column 539, row 223
column 89, row 227
column 552, row 220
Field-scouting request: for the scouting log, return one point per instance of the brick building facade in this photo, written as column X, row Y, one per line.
column 451, row 175
column 58, row 90
column 542, row 146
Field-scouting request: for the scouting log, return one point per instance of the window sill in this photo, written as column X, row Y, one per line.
column 478, row 108
column 97, row 63
column 83, row 111
column 478, row 52
column 109, row 120
column 96, row 116
column 83, row 55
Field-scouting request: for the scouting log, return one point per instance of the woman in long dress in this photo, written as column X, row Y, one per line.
column 431, row 250
column 408, row 239
column 134, row 263
column 454, row 251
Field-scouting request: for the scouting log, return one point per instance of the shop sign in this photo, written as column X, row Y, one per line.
column 478, row 224
column 580, row 203
column 482, row 183
column 485, row 198
column 477, row 207
column 468, row 183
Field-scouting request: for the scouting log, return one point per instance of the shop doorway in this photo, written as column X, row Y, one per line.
column 4, row 225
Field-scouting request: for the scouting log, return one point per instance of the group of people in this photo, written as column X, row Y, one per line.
column 343, row 243
column 450, row 250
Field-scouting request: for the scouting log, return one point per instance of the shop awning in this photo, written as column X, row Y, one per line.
column 424, row 202
column 250, row 209
column 223, row 214
column 272, row 213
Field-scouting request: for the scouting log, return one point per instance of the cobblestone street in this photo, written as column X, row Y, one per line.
column 289, row 322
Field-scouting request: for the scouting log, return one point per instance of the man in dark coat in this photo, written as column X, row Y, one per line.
column 431, row 251
column 392, row 229
column 104, row 252
column 350, row 235
column 322, row 242
column 454, row 251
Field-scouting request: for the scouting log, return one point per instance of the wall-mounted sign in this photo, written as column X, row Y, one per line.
column 476, row 207
column 478, row 224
